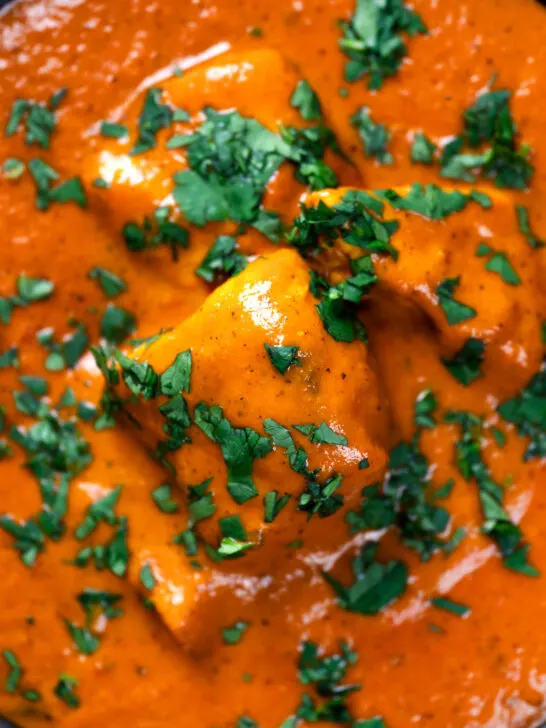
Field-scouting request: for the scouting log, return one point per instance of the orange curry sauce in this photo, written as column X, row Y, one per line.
column 165, row 660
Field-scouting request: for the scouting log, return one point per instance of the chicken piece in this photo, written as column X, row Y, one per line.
column 241, row 409
column 508, row 316
column 258, row 85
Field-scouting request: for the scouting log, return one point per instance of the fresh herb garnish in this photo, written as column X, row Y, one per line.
column 306, row 101
column 111, row 284
column 460, row 610
column 490, row 132
column 375, row 137
column 156, row 231
column 153, row 117
column 322, row 434
column 232, row 635
column 65, row 690
column 283, row 357
column 522, row 214
column 240, row 447
column 422, row 149
column 465, row 365
column 527, row 411
column 373, row 39
column 455, row 311
column 375, row 585
column 222, row 261
column 432, row 201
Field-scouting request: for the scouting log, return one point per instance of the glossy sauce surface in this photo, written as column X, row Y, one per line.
column 487, row 669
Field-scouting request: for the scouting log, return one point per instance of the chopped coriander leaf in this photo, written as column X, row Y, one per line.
column 306, row 150
column 483, row 249
column 322, row 434
column 454, row 540
column 162, row 497
column 111, row 284
column 324, row 675
column 522, row 214
column 370, row 723
column 420, row 522
column 9, row 358
column 153, row 117
column 283, row 357
column 499, row 263
column 15, row 671
column 432, row 201
column 34, row 289
column 112, row 130
column 85, row 642
column 496, row 522
column 117, row 324
column 424, row 406
column 489, row 122
column 297, row 457
column 527, row 411
column 28, row 538
column 357, row 219
column 518, row 561
column 222, row 261
column 375, row 137
column 233, row 635
column 74, row 346
column 455, row 311
column 373, row 39
column 422, row 150
column 232, row 547
column 460, row 610
column 306, row 101
column 147, row 578
column 69, row 191
column 376, row 584
column 321, row 498
column 13, row 168
column 65, row 691
column 37, row 118
column 240, row 447
column 246, row 722
column 445, row 490
column 376, row 511
column 177, row 377
column 465, row 365
column 232, row 527
column 102, row 510
column 156, row 231
column 273, row 505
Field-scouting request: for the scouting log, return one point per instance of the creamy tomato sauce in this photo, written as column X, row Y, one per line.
column 150, row 610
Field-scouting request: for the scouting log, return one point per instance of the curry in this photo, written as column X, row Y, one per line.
column 272, row 331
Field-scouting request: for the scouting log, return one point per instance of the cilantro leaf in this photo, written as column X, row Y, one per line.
column 111, row 284
column 222, row 261
column 322, row 433
column 373, row 39
column 374, row 137
column 283, row 357
column 432, row 201
column 177, row 377
column 465, row 365
column 522, row 214
column 422, row 149
column 527, row 411
column 455, row 311
column 153, row 117
column 240, row 447
column 376, row 584
column 306, row 101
